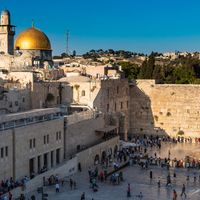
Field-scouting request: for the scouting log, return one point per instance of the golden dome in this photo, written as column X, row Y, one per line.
column 32, row 39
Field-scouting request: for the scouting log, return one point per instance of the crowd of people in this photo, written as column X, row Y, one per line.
column 109, row 170
column 10, row 184
column 140, row 155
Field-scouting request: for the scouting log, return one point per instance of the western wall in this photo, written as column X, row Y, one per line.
column 168, row 109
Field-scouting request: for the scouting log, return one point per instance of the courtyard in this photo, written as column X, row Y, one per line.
column 139, row 180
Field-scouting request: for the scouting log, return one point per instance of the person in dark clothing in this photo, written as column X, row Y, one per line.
column 83, row 196
column 79, row 167
column 151, row 174
column 159, row 184
column 129, row 190
column 174, row 195
column 71, row 183
column 183, row 191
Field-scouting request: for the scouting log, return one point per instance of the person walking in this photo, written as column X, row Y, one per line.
column 33, row 197
column 71, row 183
column 174, row 195
column 195, row 177
column 57, row 187
column 168, row 180
column 10, row 195
column 79, row 167
column 174, row 174
column 158, row 183
column 183, row 191
column 129, row 190
column 83, row 196
column 151, row 174
column 22, row 197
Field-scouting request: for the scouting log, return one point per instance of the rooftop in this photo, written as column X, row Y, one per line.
column 28, row 114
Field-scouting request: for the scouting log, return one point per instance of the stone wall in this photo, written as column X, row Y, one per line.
column 164, row 108
column 24, row 153
column 113, row 100
column 111, row 97
column 16, row 162
column 6, row 162
column 87, row 157
column 82, row 133
column 42, row 89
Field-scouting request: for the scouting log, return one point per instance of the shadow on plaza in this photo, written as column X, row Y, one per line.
column 142, row 119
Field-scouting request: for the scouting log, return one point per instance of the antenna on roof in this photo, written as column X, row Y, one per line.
column 33, row 25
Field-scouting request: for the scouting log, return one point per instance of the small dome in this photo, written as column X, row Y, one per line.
column 32, row 39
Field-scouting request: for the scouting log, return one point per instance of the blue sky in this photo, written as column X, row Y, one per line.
column 136, row 25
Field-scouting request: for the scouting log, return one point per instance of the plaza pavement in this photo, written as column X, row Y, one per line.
column 139, row 180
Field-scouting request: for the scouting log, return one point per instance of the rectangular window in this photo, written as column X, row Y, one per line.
column 2, row 153
column 59, row 135
column 47, row 139
column 121, row 105
column 117, row 89
column 6, row 151
column 115, row 106
column 56, row 135
column 34, row 143
column 30, row 143
column 108, row 107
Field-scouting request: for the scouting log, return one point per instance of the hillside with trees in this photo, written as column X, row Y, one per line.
column 183, row 70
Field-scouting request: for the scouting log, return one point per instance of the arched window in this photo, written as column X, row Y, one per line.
column 83, row 93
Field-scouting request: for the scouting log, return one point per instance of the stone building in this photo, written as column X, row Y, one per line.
column 41, row 139
column 111, row 97
column 30, row 141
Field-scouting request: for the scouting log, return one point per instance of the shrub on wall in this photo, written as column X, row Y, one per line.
column 156, row 118
column 180, row 132
column 169, row 114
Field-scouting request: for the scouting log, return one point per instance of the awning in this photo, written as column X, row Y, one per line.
column 106, row 129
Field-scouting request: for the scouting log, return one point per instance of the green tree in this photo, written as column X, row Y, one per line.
column 150, row 66
column 147, row 68
column 131, row 70
column 158, row 73
column 143, row 69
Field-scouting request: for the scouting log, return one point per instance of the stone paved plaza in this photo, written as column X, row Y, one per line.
column 139, row 180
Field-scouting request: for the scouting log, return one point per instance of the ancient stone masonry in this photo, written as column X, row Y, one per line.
column 165, row 109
